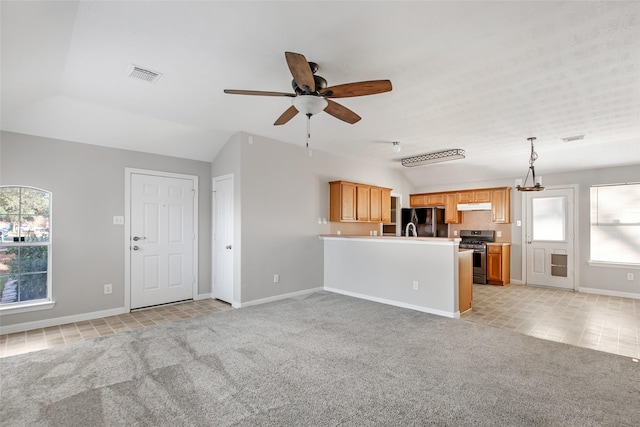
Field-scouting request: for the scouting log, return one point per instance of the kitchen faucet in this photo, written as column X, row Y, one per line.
column 409, row 226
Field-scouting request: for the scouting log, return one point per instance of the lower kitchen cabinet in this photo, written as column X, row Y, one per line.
column 498, row 263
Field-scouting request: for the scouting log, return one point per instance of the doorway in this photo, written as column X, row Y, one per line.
column 161, row 226
column 549, row 238
column 223, row 244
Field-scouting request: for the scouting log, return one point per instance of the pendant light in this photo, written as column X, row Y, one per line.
column 536, row 182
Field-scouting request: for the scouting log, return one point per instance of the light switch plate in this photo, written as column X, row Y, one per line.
column 118, row 220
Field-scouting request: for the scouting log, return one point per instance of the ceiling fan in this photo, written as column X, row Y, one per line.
column 312, row 94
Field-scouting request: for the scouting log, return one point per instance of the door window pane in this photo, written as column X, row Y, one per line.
column 549, row 218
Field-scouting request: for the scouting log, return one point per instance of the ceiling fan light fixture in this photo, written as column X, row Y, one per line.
column 435, row 157
column 310, row 104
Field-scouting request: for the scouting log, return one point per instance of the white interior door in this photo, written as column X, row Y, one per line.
column 162, row 239
column 549, row 238
column 223, row 238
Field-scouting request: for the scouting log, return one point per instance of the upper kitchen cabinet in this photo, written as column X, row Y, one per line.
column 342, row 201
column 379, row 204
column 451, row 213
column 475, row 196
column 363, row 202
column 500, row 199
column 501, row 205
column 353, row 202
column 426, row 200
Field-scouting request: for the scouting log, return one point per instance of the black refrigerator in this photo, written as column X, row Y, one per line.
column 429, row 222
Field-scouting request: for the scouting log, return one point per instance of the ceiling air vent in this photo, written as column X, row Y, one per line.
column 573, row 138
column 140, row 73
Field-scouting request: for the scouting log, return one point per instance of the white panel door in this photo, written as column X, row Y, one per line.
column 223, row 239
column 549, row 239
column 162, row 239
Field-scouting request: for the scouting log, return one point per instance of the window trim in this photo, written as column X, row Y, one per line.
column 603, row 263
column 43, row 303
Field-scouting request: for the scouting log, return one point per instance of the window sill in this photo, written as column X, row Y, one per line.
column 26, row 307
column 614, row 265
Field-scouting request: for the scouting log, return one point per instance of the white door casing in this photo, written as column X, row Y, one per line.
column 161, row 237
column 223, row 249
column 549, row 238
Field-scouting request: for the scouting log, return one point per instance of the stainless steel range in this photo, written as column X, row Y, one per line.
column 477, row 240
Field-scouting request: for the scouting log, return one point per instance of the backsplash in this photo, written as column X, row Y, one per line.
column 355, row 228
column 481, row 220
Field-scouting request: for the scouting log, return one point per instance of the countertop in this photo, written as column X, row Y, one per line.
column 408, row 239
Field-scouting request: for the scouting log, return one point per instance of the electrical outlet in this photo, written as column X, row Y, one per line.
column 499, row 233
column 629, row 276
column 455, row 232
column 276, row 278
column 108, row 288
column 415, row 285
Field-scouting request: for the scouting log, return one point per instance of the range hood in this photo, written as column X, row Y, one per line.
column 474, row 206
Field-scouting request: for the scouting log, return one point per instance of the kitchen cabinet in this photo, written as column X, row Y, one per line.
column 475, row 196
column 427, row 200
column 498, row 263
column 385, row 204
column 451, row 213
column 465, row 280
column 501, row 205
column 353, row 202
column 342, row 201
column 417, row 200
column 500, row 199
column 363, row 201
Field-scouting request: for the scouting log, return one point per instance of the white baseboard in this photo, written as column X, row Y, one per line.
column 609, row 293
column 202, row 296
column 516, row 282
column 37, row 324
column 395, row 303
column 277, row 298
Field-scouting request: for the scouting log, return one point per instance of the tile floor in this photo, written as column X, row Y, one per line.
column 38, row 339
column 609, row 324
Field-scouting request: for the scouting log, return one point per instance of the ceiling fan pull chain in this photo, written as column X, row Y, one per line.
column 308, row 129
column 309, row 133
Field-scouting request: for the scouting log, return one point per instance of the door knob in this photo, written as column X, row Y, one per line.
column 135, row 248
column 228, row 247
column 136, row 238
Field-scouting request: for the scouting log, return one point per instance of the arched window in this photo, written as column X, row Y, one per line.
column 25, row 246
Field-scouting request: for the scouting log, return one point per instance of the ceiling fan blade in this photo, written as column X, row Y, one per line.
column 300, row 71
column 340, row 112
column 347, row 90
column 286, row 116
column 258, row 92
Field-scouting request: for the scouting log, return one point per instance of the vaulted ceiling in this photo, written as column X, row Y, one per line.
column 480, row 76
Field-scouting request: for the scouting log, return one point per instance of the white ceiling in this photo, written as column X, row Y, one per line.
column 481, row 76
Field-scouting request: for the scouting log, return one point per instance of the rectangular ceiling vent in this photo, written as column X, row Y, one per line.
column 140, row 73
column 573, row 138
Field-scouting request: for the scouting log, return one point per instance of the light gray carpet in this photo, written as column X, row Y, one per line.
column 321, row 360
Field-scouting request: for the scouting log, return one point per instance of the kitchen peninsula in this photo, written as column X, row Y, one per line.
column 420, row 273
